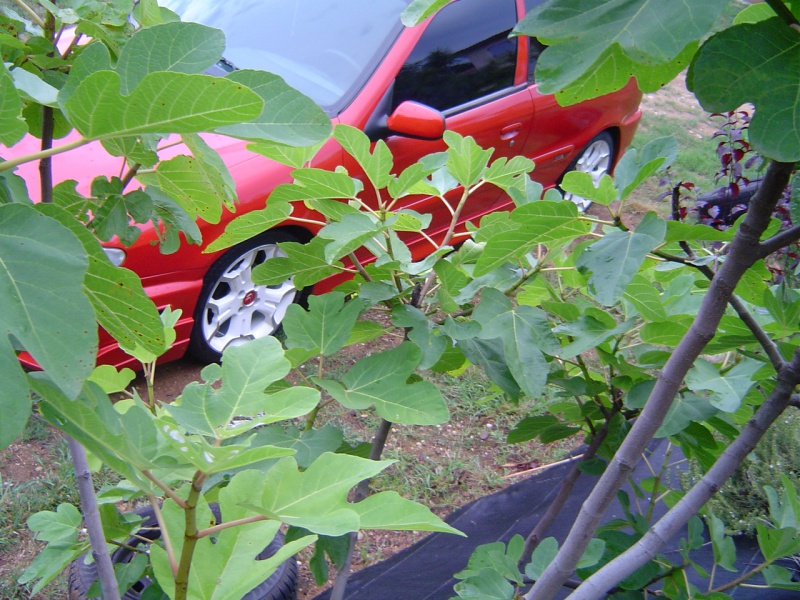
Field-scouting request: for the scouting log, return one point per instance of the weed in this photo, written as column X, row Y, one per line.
column 11, row 590
column 741, row 503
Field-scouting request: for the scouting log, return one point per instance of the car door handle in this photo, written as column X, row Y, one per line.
column 510, row 131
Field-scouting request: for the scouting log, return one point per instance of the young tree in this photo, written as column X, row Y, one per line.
column 595, row 48
column 724, row 73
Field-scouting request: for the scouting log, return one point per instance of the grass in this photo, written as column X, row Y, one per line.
column 742, row 504
column 46, row 481
column 697, row 161
column 54, row 484
column 674, row 111
column 447, row 465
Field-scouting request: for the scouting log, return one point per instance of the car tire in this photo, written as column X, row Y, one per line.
column 248, row 311
column 596, row 159
column 281, row 585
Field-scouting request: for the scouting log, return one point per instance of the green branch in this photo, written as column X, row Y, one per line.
column 223, row 526
column 169, row 547
column 190, row 537
column 21, row 160
column 31, row 13
column 766, row 342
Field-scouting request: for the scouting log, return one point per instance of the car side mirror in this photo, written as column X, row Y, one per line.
column 416, row 120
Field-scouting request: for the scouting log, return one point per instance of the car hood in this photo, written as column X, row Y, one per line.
column 92, row 160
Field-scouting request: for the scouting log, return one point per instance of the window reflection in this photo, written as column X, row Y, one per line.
column 320, row 48
column 464, row 54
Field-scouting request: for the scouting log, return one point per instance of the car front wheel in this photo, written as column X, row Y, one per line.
column 596, row 160
column 232, row 309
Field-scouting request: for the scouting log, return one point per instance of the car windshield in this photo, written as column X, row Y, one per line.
column 322, row 48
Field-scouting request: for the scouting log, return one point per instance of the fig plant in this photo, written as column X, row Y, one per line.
column 90, row 93
column 614, row 318
column 596, row 49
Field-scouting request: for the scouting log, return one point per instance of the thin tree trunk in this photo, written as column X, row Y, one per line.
column 91, row 516
column 46, row 164
column 744, row 251
column 378, row 443
column 564, row 490
column 672, row 523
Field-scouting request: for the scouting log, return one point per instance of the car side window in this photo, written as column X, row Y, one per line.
column 536, row 47
column 463, row 55
column 534, row 50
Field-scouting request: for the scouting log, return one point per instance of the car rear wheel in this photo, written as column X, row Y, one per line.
column 596, row 160
column 233, row 310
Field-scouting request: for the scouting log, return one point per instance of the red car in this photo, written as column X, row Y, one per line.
column 458, row 70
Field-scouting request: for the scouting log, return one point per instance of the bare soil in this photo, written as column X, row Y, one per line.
column 444, row 466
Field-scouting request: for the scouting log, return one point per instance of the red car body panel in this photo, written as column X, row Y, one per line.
column 520, row 121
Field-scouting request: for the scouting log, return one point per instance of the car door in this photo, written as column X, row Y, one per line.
column 465, row 65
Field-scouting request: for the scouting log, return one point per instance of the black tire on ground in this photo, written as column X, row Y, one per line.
column 231, row 310
column 281, row 585
column 596, row 159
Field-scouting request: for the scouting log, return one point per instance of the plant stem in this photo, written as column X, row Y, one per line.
column 31, row 13
column 769, row 346
column 46, row 164
column 21, row 160
column 447, row 238
column 165, row 488
column 657, row 478
column 564, row 490
column 190, row 537
column 129, row 175
column 780, row 240
column 359, row 267
column 150, row 379
column 676, row 216
column 378, row 443
column 91, row 516
column 168, row 545
column 223, row 526
column 784, row 13
column 742, row 578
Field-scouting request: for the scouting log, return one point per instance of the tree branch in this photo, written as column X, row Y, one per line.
column 227, row 525
column 784, row 13
column 564, row 490
column 169, row 548
column 189, row 537
column 378, row 443
column 48, row 124
column 31, row 13
column 165, row 488
column 21, row 160
column 769, row 346
column 674, row 520
column 743, row 254
column 779, row 240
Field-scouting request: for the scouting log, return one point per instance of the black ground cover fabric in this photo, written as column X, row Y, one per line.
column 425, row 570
